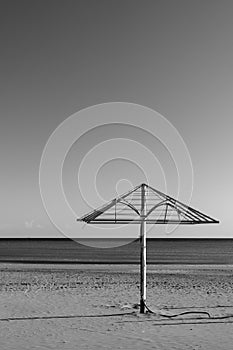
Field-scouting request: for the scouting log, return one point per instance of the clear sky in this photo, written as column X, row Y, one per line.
column 58, row 57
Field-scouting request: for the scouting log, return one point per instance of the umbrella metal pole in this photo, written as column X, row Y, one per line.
column 143, row 251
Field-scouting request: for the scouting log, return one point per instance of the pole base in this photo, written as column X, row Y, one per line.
column 142, row 306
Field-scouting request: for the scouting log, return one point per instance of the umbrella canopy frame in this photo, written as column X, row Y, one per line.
column 142, row 215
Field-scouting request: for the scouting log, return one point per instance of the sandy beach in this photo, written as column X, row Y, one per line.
column 95, row 307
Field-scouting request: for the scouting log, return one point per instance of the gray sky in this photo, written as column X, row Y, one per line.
column 58, row 57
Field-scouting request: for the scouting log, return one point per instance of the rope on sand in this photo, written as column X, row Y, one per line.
column 189, row 312
column 170, row 316
column 176, row 315
column 62, row 316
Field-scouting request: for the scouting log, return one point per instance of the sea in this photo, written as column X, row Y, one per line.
column 113, row 251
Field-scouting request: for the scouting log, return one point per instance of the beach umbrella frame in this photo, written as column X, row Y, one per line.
column 141, row 216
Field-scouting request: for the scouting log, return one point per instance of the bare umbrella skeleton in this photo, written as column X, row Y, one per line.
column 145, row 205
